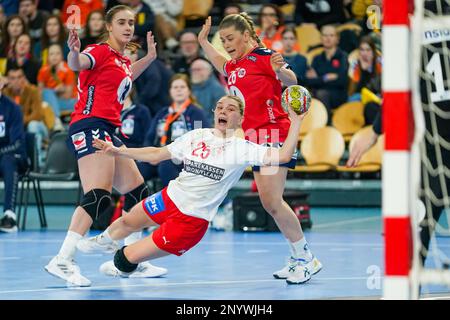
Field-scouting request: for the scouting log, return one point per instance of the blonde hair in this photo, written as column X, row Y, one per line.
column 237, row 100
column 241, row 22
column 132, row 46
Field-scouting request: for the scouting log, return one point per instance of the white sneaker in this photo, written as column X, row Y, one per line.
column 67, row 270
column 91, row 245
column 144, row 270
column 314, row 266
column 301, row 274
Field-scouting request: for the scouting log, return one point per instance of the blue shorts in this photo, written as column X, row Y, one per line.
column 83, row 132
column 291, row 164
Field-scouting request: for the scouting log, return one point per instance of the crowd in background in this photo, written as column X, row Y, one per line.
column 181, row 87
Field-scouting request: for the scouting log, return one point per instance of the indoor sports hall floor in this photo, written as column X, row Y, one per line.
column 225, row 265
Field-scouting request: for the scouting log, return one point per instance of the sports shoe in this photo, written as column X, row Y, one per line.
column 8, row 224
column 67, row 270
column 301, row 274
column 144, row 270
column 91, row 245
column 314, row 266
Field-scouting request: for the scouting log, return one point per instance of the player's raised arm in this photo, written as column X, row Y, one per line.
column 139, row 66
column 286, row 76
column 75, row 60
column 149, row 154
column 214, row 56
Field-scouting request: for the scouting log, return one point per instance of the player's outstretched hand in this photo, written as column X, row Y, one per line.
column 151, row 46
column 105, row 147
column 277, row 61
column 203, row 34
column 74, row 42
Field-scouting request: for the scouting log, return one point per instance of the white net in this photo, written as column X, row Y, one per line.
column 431, row 50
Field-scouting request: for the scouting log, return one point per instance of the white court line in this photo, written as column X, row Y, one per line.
column 345, row 222
column 10, row 258
column 341, row 249
column 162, row 285
column 216, row 252
column 257, row 251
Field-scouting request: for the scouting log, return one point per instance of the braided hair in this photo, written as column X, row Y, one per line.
column 241, row 22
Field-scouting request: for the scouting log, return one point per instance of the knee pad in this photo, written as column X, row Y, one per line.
column 135, row 196
column 121, row 262
column 95, row 202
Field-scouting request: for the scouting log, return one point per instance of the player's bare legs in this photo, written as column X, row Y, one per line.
column 271, row 183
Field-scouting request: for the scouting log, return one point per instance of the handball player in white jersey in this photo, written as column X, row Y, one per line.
column 214, row 160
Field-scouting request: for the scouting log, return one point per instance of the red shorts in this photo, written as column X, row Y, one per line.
column 177, row 232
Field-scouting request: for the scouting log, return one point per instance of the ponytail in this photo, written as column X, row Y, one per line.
column 241, row 22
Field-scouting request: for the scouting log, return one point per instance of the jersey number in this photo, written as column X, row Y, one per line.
column 201, row 151
column 434, row 67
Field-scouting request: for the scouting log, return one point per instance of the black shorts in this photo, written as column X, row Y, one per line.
column 83, row 132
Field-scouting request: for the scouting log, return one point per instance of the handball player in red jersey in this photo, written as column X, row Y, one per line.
column 105, row 80
column 256, row 75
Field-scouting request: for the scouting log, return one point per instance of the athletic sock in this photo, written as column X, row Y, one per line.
column 104, row 237
column 132, row 238
column 69, row 246
column 300, row 249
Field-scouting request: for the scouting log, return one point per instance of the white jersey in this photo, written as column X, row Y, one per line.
column 212, row 165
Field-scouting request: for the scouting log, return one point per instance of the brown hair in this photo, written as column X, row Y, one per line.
column 185, row 78
column 17, row 40
column 277, row 10
column 132, row 46
column 88, row 29
column 241, row 22
column 5, row 34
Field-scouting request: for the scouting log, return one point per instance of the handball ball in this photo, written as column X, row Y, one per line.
column 297, row 97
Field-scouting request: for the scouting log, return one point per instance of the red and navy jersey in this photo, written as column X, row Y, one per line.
column 252, row 79
column 102, row 89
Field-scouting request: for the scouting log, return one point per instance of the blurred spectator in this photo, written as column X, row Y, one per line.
column 190, row 50
column 33, row 17
column 28, row 97
column 86, row 6
column 271, row 22
column 2, row 18
column 50, row 6
column 166, row 12
column 328, row 73
column 153, row 86
column 23, row 57
column 205, row 86
column 298, row 63
column 145, row 20
column 112, row 3
column 53, row 33
column 232, row 8
column 13, row 158
column 57, row 83
column 12, row 29
column 94, row 27
column 10, row 7
column 319, row 12
column 173, row 121
column 365, row 72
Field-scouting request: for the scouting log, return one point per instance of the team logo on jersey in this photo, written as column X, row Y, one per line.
column 118, row 63
column 241, row 73
column 124, row 89
column 89, row 101
column 251, row 58
column 79, row 141
column 107, row 137
column 2, row 129
column 154, row 204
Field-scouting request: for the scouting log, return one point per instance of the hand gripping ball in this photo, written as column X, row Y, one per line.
column 297, row 97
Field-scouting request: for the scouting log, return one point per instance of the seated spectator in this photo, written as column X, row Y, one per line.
column 166, row 12
column 2, row 17
column 94, row 28
column 189, row 49
column 13, row 157
column 231, row 8
column 53, row 32
column 153, row 86
column 145, row 20
column 365, row 78
column 57, row 84
column 85, row 8
column 22, row 56
column 171, row 122
column 327, row 76
column 33, row 17
column 298, row 63
column 319, row 12
column 205, row 86
column 10, row 7
column 14, row 26
column 27, row 96
column 271, row 22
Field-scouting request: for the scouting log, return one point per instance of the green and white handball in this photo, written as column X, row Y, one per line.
column 297, row 97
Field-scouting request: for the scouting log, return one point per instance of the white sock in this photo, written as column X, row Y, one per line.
column 104, row 237
column 132, row 238
column 300, row 249
column 69, row 246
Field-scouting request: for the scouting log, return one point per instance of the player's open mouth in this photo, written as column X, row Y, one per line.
column 230, row 52
column 222, row 121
